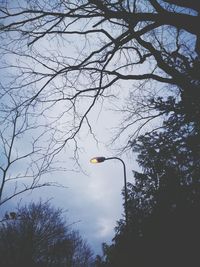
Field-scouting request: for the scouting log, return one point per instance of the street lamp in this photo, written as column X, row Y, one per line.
column 102, row 159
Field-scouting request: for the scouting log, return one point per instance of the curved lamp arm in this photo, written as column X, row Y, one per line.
column 102, row 159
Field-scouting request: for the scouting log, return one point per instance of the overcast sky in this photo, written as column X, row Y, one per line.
column 92, row 196
column 93, row 199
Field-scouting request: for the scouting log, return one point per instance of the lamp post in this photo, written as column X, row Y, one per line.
column 102, row 159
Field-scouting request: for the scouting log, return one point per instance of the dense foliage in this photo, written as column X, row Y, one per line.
column 38, row 236
column 164, row 202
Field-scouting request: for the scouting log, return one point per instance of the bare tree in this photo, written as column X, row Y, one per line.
column 69, row 55
column 23, row 160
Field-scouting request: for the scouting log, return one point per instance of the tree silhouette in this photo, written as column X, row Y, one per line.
column 22, row 162
column 155, row 43
column 65, row 57
column 163, row 203
column 39, row 236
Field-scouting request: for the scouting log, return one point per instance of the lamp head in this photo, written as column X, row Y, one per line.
column 97, row 160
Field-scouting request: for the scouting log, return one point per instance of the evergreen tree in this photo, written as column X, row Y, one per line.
column 164, row 202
